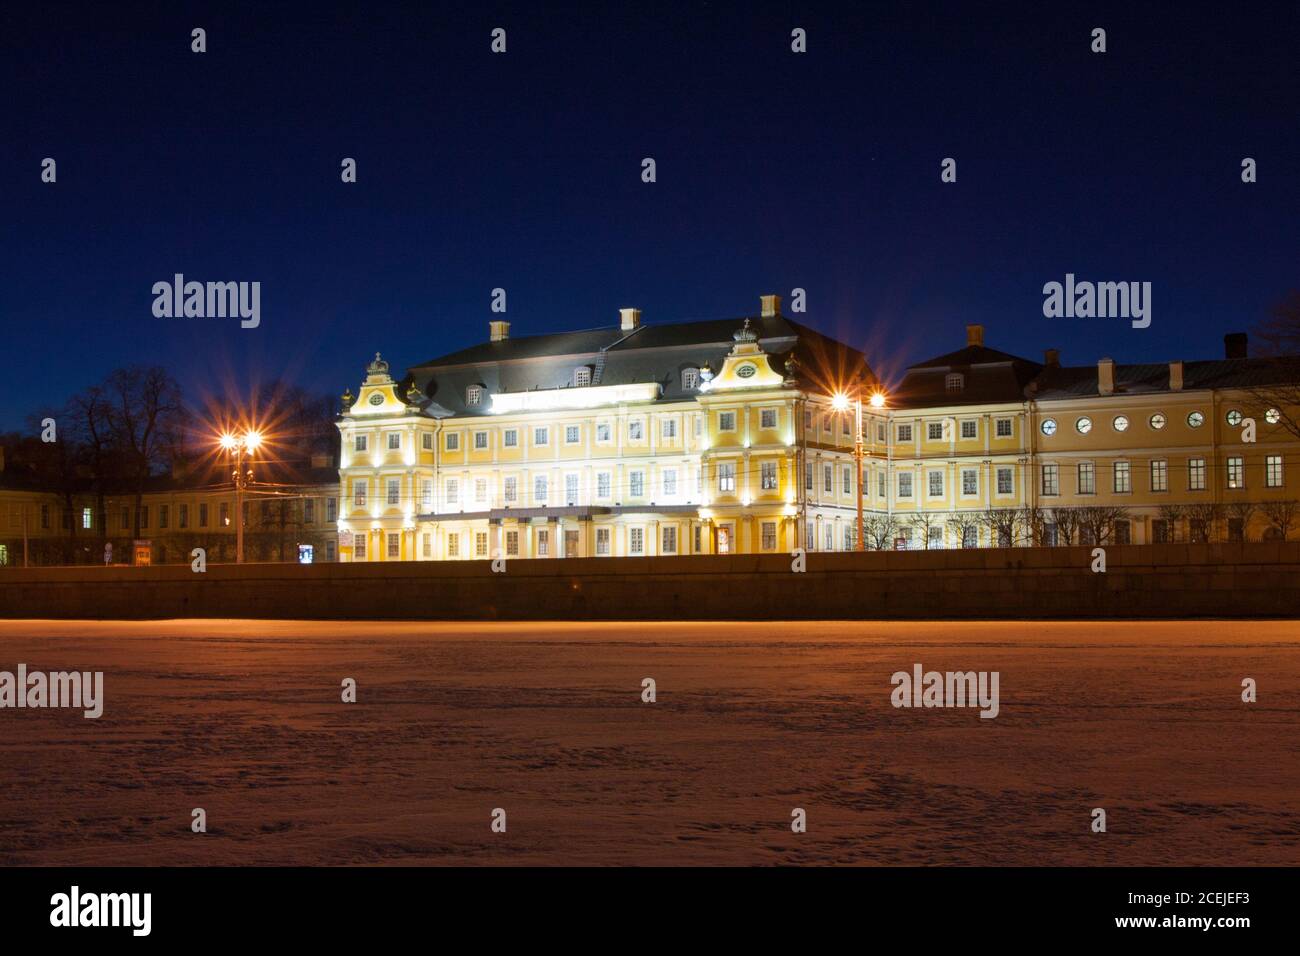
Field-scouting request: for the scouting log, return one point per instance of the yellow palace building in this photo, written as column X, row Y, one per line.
column 726, row 436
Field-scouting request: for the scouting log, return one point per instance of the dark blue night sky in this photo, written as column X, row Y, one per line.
column 522, row 171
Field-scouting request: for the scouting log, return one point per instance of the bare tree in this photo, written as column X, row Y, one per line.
column 145, row 415
column 1097, row 523
column 92, row 426
column 1033, row 521
column 1242, row 511
column 1067, row 525
column 923, row 521
column 1003, row 525
column 880, row 531
column 964, row 524
column 1282, row 515
column 1172, row 513
column 1279, row 338
column 1279, row 334
column 1202, row 520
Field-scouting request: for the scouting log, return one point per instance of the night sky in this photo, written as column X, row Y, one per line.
column 523, row 171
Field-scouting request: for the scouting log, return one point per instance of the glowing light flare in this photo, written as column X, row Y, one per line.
column 877, row 399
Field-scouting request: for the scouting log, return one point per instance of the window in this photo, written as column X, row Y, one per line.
column 473, row 395
column 935, row 484
column 266, row 512
column 539, row 488
column 394, row 546
column 726, row 421
column 635, row 429
column 426, row 441
column 571, row 489
column 904, row 432
column 394, row 491
column 426, row 545
column 934, row 431
column 1123, row 532
column 636, row 484
column 453, row 544
column 480, row 491
column 954, row 382
column 1236, row 472
column 1004, row 428
column 602, row 541
column 1195, row 420
column 699, row 537
column 331, row 510
column 880, row 484
column 359, row 547
column 1196, row 474
column 87, row 517
column 541, row 436
column 581, row 376
column 970, row 536
column 359, row 490
column 969, row 481
column 670, row 482
column 224, row 514
column 670, row 539
column 480, row 544
column 829, row 536
column 636, row 541
column 848, row 537
column 394, row 441
column 453, row 441
column 426, row 493
column 769, row 535
column 360, row 442
column 935, row 539
column 511, row 489
column 182, row 516
column 1160, row 475
column 880, row 431
column 1233, row 418
column 1087, row 478
column 726, row 476
column 1051, row 479
column 572, row 434
column 603, row 481
column 1120, row 423
column 1157, row 421
column 1273, row 416
column 808, row 476
column 969, row 429
column 602, row 432
column 510, row 438
column 807, row 419
column 1083, row 425
column 330, row 553
column 126, row 517
column 1123, row 477
column 848, row 480
column 810, row 541
column 480, row 441
column 45, row 516
column 845, row 427
column 828, row 479
column 1049, row 426
column 690, row 378
column 308, row 511
column 904, row 484
column 767, row 418
column 668, row 428
column 1273, row 471
column 165, row 511
column 453, row 493
column 203, row 515
column 1005, row 486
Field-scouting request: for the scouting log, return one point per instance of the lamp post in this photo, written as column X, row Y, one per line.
column 238, row 446
column 841, row 403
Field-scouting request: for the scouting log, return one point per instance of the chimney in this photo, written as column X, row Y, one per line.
column 498, row 330
column 974, row 335
column 1235, row 345
column 1106, row 376
column 629, row 319
column 771, row 305
column 1176, row 376
column 1052, row 358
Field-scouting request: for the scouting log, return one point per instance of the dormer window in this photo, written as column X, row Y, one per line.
column 955, row 382
column 474, row 395
column 582, row 376
column 690, row 379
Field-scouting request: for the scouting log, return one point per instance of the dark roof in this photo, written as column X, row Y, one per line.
column 989, row 376
column 649, row 353
column 1081, row 381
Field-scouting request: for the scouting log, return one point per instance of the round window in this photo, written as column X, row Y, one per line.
column 1196, row 419
column 1272, row 416
column 1157, row 421
column 1120, row 423
column 1049, row 426
column 1083, row 426
column 1234, row 418
column 376, row 399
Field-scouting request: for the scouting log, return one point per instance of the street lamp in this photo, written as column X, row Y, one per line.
column 238, row 446
column 840, row 402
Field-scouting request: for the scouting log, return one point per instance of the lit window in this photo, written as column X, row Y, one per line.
column 473, row 395
column 480, row 544
column 1051, row 479
column 1236, row 472
column 1159, row 476
column 603, row 482
column 1234, row 418
column 769, row 535
column 1049, row 426
column 726, row 476
column 1083, row 425
column 670, row 540
column 602, row 541
column 636, row 484
column 1123, row 477
column 1196, row 474
column 394, row 491
column 969, row 481
column 670, row 482
column 1273, row 416
column 1195, row 419
column 581, row 376
column 394, row 546
column 690, row 378
column 904, row 484
column 1005, row 479
column 359, row 494
column 936, row 484
column 636, row 541
column 1157, row 421
column 1273, row 471
column 1120, row 423
column 768, row 472
column 1087, row 478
